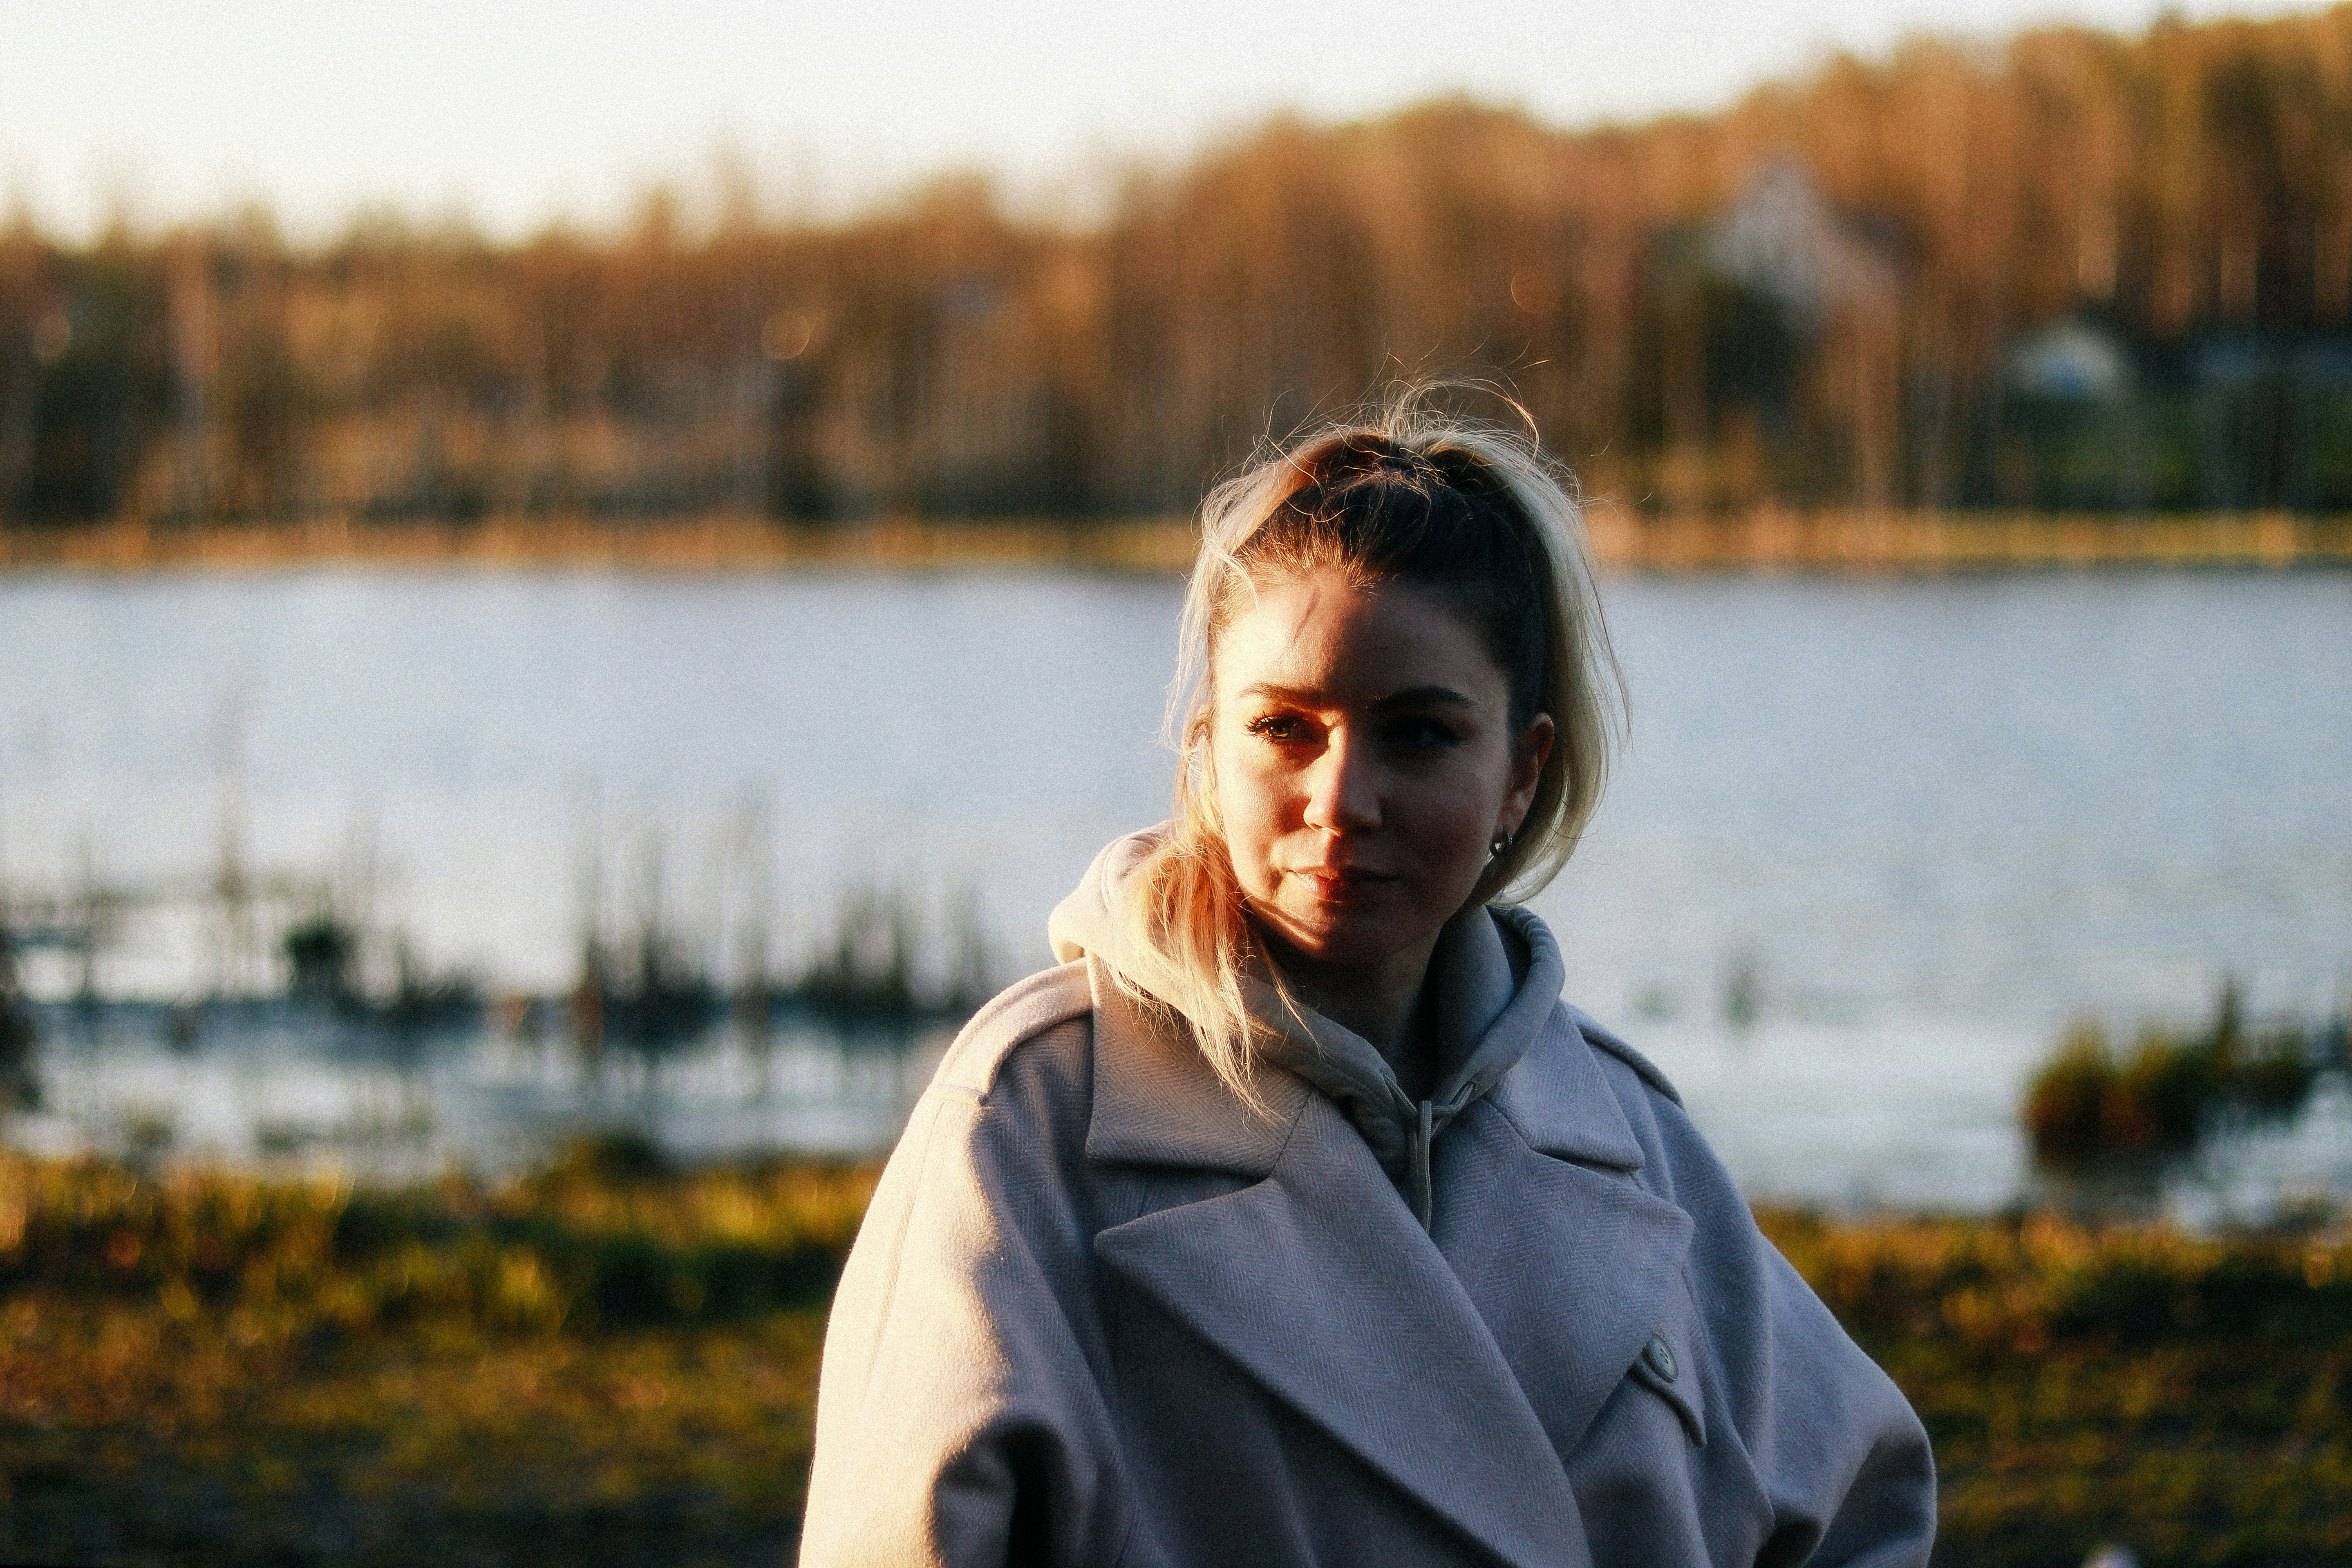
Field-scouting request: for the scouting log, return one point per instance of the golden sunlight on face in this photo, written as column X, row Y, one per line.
column 1364, row 763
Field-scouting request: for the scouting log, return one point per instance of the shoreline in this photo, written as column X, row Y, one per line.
column 1768, row 540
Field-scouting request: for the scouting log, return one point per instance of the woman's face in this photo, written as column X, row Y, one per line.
column 1364, row 763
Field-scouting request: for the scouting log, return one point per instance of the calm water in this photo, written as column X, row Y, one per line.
column 1918, row 825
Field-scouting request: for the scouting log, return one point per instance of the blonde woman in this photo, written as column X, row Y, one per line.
column 1295, row 1218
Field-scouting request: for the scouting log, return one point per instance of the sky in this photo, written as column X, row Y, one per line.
column 511, row 115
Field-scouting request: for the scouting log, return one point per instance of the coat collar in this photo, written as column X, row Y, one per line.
column 1560, row 1102
column 1499, row 1333
column 1157, row 1103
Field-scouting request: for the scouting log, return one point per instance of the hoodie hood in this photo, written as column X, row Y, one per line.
column 1497, row 974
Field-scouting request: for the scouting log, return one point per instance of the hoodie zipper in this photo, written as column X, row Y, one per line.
column 1423, row 1200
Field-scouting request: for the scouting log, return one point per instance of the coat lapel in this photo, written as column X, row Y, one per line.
column 1319, row 1284
column 1497, row 1334
column 1571, row 1263
column 1571, row 1269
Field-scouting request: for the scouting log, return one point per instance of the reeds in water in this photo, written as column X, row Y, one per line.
column 889, row 956
column 2090, row 1110
column 20, row 1086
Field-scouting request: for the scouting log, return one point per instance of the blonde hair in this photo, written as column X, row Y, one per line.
column 1411, row 494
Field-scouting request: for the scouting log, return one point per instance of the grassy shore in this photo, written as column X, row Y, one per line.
column 603, row 1365
column 2189, row 1399
column 612, row 1363
column 1765, row 538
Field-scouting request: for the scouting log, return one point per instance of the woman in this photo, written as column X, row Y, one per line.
column 1295, row 1218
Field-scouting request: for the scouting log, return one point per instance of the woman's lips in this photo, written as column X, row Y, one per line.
column 1339, row 884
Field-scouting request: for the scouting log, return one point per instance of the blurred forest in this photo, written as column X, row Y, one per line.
column 2072, row 272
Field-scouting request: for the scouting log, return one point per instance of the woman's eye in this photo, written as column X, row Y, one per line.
column 1422, row 734
column 1278, row 727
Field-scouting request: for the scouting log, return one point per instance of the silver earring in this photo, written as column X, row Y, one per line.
column 1494, row 850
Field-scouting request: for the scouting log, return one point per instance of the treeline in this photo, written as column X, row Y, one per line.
column 2074, row 272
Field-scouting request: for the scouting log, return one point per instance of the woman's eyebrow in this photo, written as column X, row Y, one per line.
column 1316, row 697
column 1298, row 696
column 1426, row 697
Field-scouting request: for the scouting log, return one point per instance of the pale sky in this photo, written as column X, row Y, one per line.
column 515, row 113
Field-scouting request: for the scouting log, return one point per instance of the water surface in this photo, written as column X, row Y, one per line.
column 1871, row 844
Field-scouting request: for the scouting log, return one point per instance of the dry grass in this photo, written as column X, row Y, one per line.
column 603, row 1363
column 2189, row 1398
column 614, row 1364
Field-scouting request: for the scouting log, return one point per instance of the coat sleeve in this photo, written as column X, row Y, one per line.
column 1840, row 1453
column 960, row 1419
column 1842, row 1461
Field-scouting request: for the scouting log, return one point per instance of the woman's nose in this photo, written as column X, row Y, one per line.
column 1342, row 796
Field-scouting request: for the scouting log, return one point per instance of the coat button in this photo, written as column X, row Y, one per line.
column 1661, row 1358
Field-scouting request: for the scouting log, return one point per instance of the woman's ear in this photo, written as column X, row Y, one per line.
column 1530, row 753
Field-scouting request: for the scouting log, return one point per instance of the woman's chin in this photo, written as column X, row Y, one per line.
column 1343, row 939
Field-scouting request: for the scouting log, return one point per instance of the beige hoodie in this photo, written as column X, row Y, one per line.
column 1497, row 973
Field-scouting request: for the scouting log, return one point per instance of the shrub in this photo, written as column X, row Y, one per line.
column 2085, row 1110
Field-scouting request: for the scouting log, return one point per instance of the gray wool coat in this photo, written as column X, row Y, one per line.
column 1101, row 1312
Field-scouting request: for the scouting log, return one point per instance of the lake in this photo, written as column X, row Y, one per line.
column 1873, row 841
